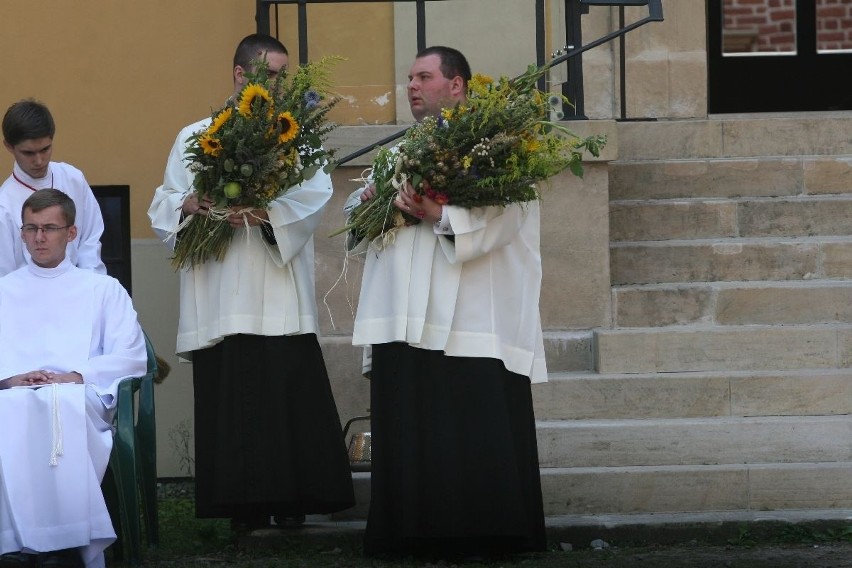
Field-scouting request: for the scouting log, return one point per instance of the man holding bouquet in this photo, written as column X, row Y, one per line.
column 450, row 310
column 268, row 437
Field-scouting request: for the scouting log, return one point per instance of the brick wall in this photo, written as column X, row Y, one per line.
column 770, row 25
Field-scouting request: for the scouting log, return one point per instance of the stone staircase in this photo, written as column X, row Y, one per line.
column 725, row 381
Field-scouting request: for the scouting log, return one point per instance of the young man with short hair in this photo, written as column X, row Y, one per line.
column 28, row 131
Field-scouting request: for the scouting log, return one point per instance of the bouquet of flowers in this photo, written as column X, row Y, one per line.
column 266, row 140
column 490, row 149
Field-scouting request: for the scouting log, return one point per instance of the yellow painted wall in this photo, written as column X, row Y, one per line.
column 121, row 78
column 363, row 34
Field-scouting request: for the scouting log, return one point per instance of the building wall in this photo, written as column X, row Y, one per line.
column 122, row 78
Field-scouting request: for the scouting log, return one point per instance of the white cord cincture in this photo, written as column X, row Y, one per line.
column 55, row 427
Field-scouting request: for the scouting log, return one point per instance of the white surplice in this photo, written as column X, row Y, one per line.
column 62, row 319
column 257, row 288
column 85, row 250
column 473, row 295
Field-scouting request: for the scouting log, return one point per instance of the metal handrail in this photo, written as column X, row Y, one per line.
column 263, row 26
column 655, row 14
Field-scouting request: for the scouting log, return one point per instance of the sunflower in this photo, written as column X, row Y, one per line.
column 219, row 121
column 249, row 95
column 211, row 146
column 289, row 127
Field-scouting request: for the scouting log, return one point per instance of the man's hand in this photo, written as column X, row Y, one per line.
column 368, row 193
column 192, row 206
column 239, row 217
column 72, row 377
column 27, row 379
column 418, row 205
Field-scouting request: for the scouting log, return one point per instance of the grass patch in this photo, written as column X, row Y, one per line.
column 188, row 542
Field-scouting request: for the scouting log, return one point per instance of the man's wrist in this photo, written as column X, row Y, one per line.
column 442, row 225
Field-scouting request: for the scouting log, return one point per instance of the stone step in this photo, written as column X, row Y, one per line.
column 568, row 351
column 670, row 489
column 733, row 303
column 801, row 392
column 680, row 219
column 677, row 489
column 742, row 259
column 728, row 348
column 765, row 176
column 734, row 136
column 694, row 441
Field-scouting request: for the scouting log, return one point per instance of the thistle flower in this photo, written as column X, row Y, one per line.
column 312, row 99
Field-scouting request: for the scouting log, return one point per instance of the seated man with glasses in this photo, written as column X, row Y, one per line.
column 68, row 336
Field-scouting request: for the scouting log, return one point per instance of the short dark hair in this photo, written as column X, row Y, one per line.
column 44, row 198
column 252, row 46
column 27, row 120
column 453, row 62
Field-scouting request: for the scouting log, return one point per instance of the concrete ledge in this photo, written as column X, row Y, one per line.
column 611, row 492
column 714, row 527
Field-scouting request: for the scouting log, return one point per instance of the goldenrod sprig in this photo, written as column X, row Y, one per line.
column 493, row 148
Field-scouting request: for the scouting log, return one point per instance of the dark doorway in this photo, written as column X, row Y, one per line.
column 115, row 241
column 778, row 55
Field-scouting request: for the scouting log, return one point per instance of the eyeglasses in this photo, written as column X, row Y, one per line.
column 32, row 230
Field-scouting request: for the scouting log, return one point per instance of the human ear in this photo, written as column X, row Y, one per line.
column 239, row 73
column 457, row 86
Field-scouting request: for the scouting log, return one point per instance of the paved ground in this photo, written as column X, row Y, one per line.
column 792, row 539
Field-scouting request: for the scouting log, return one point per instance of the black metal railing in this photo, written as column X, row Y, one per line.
column 572, row 87
column 263, row 23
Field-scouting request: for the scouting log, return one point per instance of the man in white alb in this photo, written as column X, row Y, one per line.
column 28, row 131
column 68, row 336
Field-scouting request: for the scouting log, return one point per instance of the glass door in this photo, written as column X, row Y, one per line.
column 778, row 55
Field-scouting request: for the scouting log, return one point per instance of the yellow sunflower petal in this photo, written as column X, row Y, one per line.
column 249, row 95
column 210, row 145
column 289, row 127
column 219, row 121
